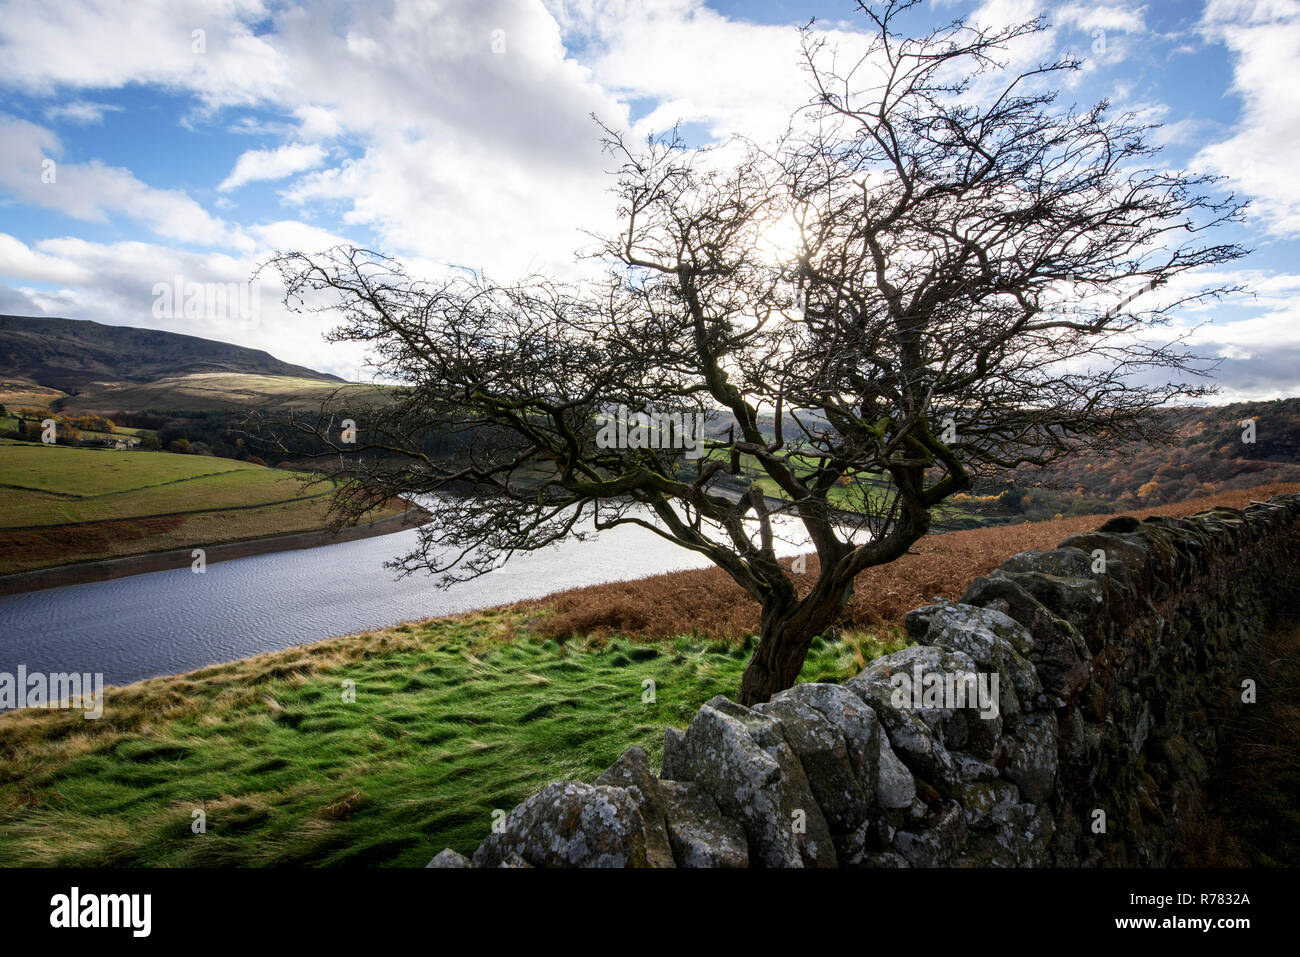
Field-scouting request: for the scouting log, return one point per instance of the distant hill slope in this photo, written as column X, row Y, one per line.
column 69, row 354
column 212, row 392
column 1212, row 453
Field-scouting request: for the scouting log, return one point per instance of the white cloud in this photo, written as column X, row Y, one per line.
column 470, row 127
column 21, row 262
column 317, row 123
column 1263, row 37
column 32, row 169
column 16, row 302
column 82, row 112
column 699, row 66
column 272, row 164
column 115, row 283
column 1103, row 16
column 288, row 234
column 48, row 47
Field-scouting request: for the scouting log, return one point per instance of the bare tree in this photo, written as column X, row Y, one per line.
column 935, row 273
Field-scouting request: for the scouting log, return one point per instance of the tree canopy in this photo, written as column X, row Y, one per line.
column 937, row 271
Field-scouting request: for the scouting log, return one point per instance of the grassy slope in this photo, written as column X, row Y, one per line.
column 139, row 502
column 57, row 484
column 21, row 393
column 213, row 391
column 65, row 470
column 452, row 719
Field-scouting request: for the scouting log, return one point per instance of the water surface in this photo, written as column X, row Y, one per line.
column 171, row 621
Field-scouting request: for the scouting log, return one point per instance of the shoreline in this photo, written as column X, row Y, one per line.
column 107, row 569
column 696, row 592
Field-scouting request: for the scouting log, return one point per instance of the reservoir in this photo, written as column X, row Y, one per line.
column 166, row 622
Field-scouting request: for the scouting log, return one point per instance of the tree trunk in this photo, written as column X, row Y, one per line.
column 784, row 637
column 776, row 662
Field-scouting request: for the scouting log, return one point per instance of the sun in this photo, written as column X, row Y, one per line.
column 779, row 239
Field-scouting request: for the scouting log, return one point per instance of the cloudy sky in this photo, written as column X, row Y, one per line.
column 142, row 141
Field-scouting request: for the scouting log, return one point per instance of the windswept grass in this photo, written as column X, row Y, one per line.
column 452, row 718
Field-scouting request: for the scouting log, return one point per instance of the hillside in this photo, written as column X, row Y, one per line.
column 212, row 392
column 73, row 354
column 1210, row 453
column 67, row 505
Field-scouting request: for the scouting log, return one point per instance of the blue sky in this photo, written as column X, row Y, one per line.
column 192, row 139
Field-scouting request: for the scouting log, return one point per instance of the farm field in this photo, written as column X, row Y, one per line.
column 65, row 505
column 54, row 485
column 10, row 422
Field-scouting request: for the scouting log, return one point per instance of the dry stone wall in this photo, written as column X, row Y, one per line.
column 1066, row 712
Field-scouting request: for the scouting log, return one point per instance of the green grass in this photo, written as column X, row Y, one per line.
column 52, row 484
column 846, row 499
column 452, row 719
column 73, row 471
